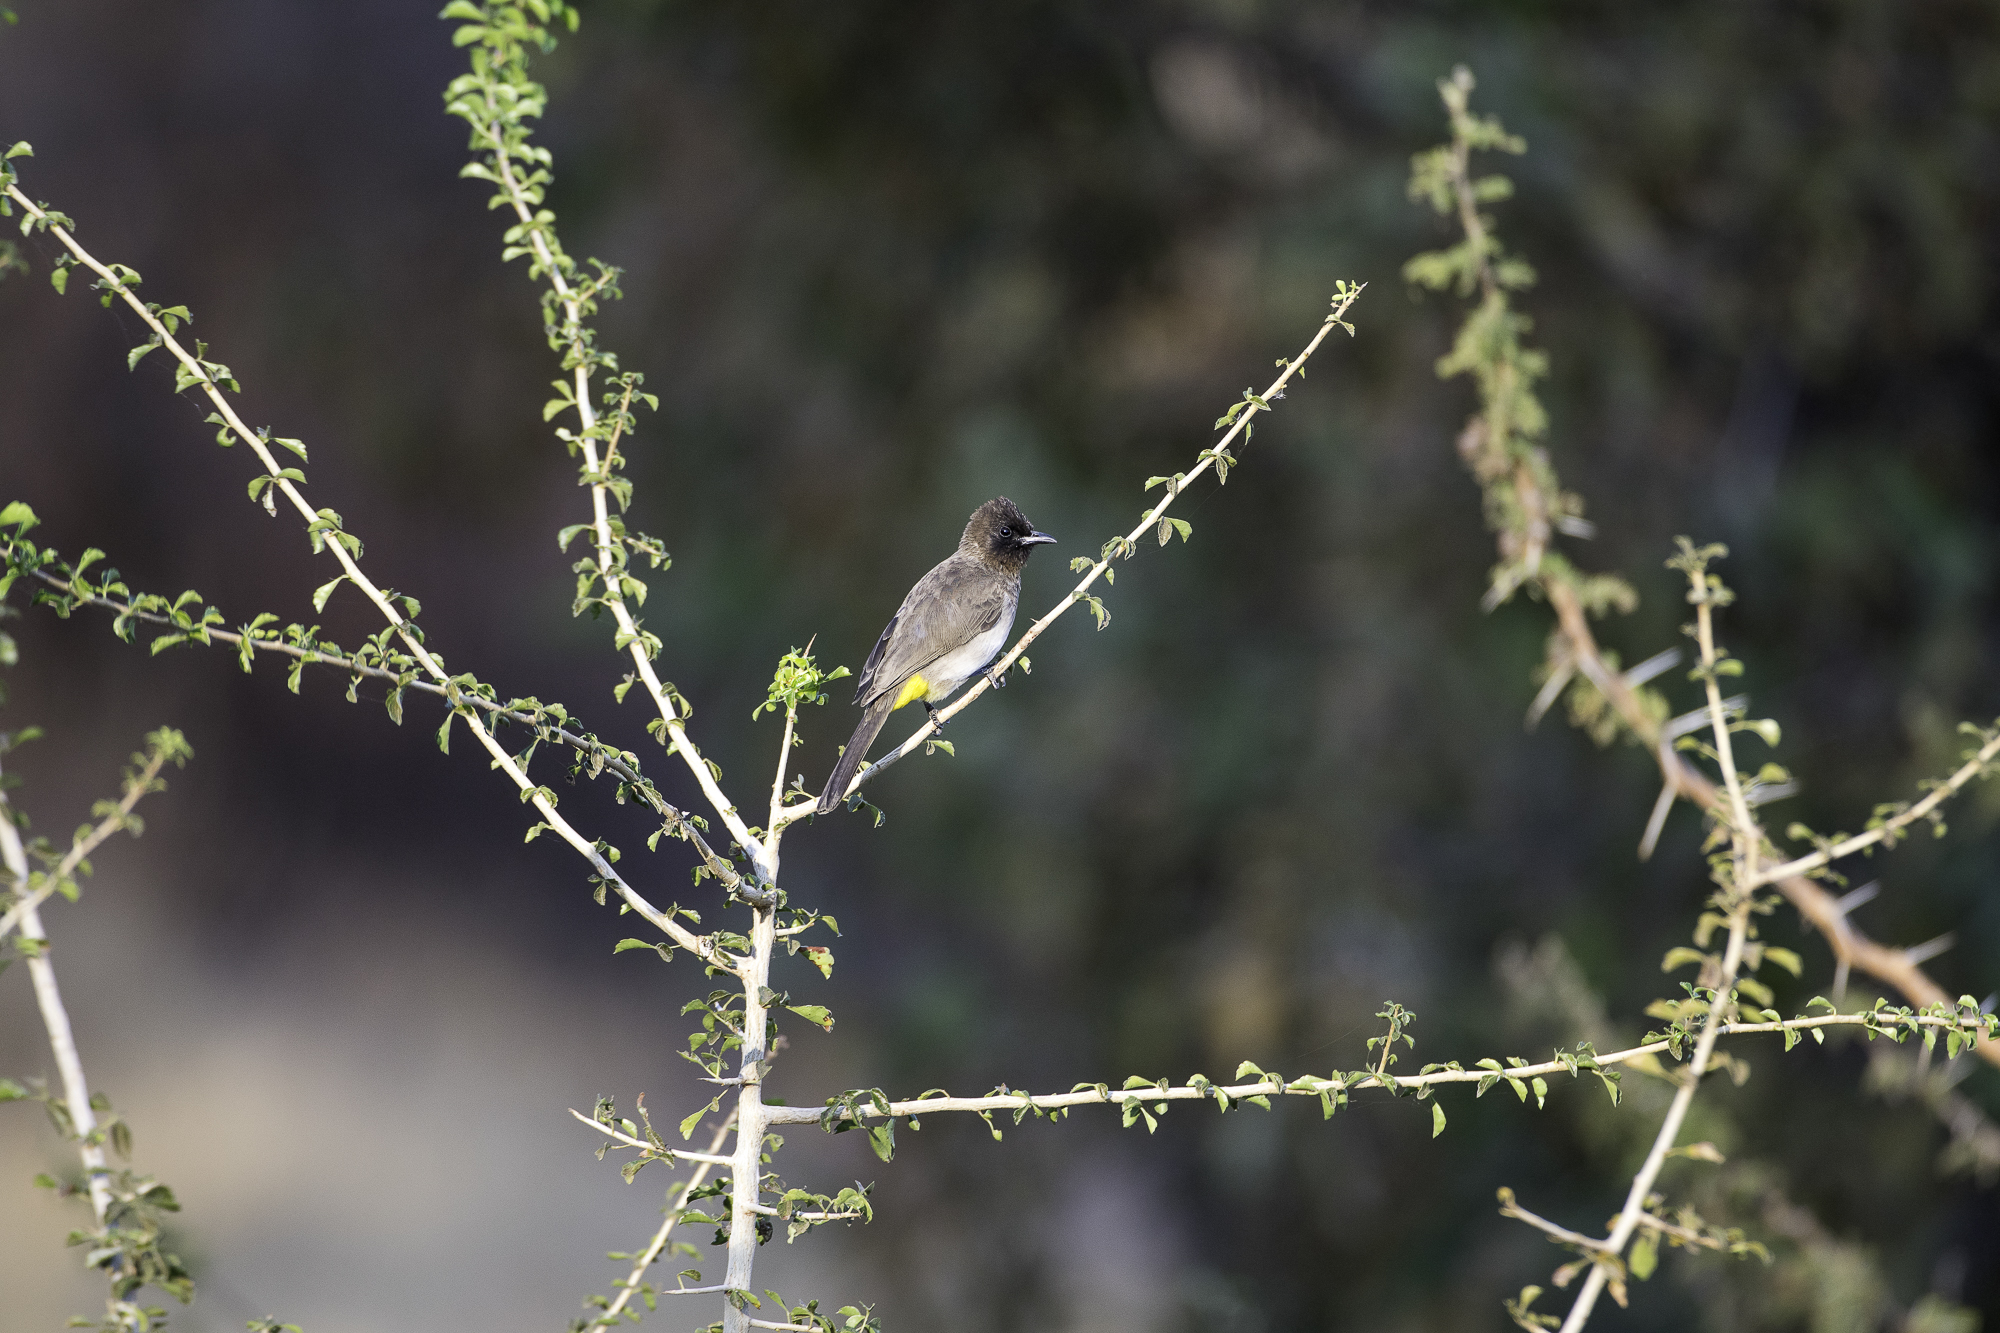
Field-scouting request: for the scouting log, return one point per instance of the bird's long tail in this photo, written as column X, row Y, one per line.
column 872, row 720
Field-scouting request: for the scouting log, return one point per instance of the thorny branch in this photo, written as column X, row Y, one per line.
column 1525, row 501
column 1737, row 900
column 632, row 1285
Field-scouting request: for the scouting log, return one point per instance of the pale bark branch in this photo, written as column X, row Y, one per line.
column 650, row 1255
column 454, row 694
column 619, row 763
column 55, row 1018
column 1746, row 839
column 1851, row 948
column 1978, row 765
column 1311, row 1086
column 670, row 715
column 135, row 791
column 658, row 1150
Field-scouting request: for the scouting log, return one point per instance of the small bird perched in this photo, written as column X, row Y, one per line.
column 952, row 624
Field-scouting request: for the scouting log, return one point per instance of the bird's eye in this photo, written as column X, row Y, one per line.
column 1006, row 532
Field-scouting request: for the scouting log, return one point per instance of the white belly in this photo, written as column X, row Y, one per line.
column 952, row 670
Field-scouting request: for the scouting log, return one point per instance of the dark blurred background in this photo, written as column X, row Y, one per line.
column 883, row 261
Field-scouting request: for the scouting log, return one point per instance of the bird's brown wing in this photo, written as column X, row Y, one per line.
column 948, row 608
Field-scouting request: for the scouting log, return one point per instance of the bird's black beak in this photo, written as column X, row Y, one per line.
column 1038, row 539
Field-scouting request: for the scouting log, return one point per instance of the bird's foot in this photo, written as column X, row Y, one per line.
column 936, row 720
column 997, row 679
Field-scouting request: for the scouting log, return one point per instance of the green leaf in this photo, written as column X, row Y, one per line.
column 882, row 1138
column 1645, row 1255
column 21, row 149
column 687, row 1125
column 1680, row 956
column 10, row 1091
column 813, row 1013
column 324, row 591
column 1786, row 959
column 1437, row 1119
column 17, row 513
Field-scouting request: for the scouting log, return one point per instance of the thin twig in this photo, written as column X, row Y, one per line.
column 1977, row 766
column 658, row 1150
column 135, row 791
column 1311, row 1086
column 1650, row 1221
column 619, row 763
column 651, row 1253
column 602, row 538
column 1510, row 1208
column 1746, row 838
column 531, row 792
column 775, row 828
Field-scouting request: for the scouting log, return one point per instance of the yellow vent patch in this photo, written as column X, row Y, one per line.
column 915, row 688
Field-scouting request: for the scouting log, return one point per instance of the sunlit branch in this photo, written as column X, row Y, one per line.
column 1979, row 765
column 55, row 1018
column 1745, row 838
column 655, row 1149
column 1311, row 1086
column 670, row 715
column 1535, row 500
column 1649, row 1221
column 199, row 376
column 620, row 764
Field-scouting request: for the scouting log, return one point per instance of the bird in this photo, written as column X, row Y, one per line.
column 953, row 623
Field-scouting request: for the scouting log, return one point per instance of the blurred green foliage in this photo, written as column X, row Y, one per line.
column 884, row 260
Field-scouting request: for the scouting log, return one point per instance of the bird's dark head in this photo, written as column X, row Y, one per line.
column 1001, row 534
